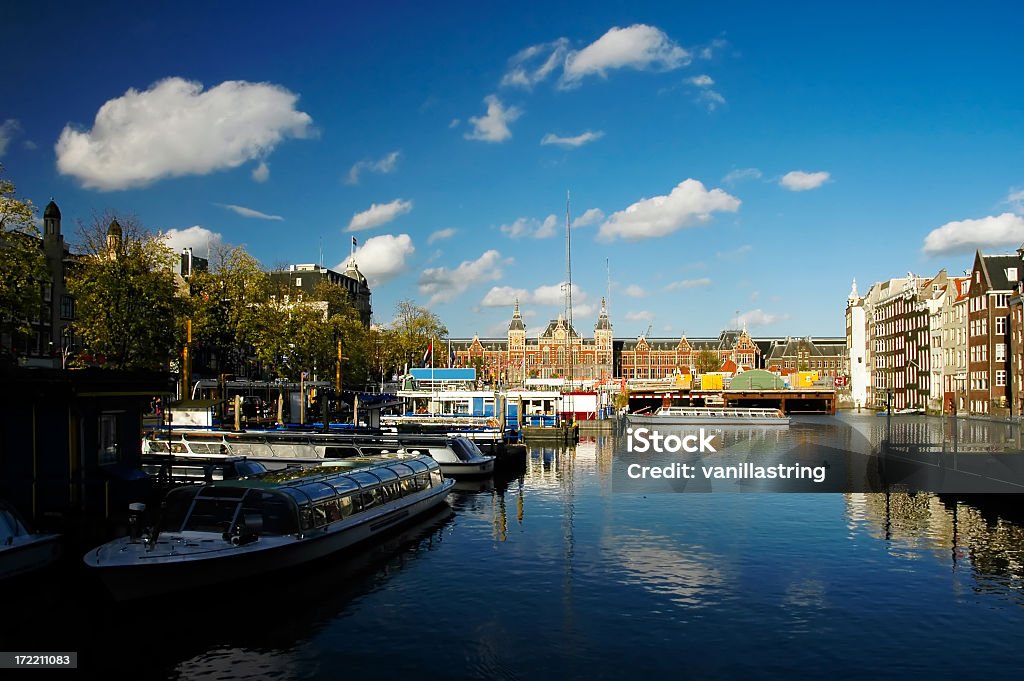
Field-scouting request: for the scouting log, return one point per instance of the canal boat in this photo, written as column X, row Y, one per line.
column 458, row 456
column 703, row 416
column 221, row 532
column 21, row 550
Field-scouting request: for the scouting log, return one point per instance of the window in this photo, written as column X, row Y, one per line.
column 1000, row 377
column 1000, row 352
column 108, row 445
column 298, row 281
column 1001, row 326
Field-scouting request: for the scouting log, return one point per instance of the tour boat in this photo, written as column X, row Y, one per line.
column 221, row 532
column 22, row 551
column 720, row 416
column 458, row 456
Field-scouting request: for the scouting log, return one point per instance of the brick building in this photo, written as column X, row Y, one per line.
column 994, row 280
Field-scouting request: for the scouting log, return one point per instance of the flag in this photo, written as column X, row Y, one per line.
column 354, row 242
column 451, row 355
column 428, row 354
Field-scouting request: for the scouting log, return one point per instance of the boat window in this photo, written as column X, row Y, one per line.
column 320, row 515
column 306, row 517
column 278, row 514
column 422, row 480
column 155, row 446
column 365, row 479
column 462, row 451
column 175, row 507
column 371, row 498
column 212, row 515
column 408, row 486
column 435, row 477
column 340, row 452
column 345, row 507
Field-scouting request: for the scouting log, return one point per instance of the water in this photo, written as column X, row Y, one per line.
column 549, row 573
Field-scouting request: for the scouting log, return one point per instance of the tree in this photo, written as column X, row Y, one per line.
column 22, row 264
column 707, row 361
column 414, row 328
column 128, row 308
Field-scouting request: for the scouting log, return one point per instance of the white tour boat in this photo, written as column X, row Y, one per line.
column 458, row 456
column 23, row 551
column 716, row 416
column 229, row 530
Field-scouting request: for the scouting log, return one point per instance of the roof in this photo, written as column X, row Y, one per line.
column 51, row 211
column 790, row 347
column 757, row 379
column 994, row 268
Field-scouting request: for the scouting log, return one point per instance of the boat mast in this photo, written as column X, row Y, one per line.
column 568, row 296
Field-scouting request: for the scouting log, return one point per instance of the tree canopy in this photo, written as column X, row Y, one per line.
column 23, row 269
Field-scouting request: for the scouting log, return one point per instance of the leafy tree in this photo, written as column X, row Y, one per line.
column 706, row 361
column 128, row 307
column 22, row 263
column 414, row 328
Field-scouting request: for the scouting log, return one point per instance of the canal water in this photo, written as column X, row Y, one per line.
column 549, row 571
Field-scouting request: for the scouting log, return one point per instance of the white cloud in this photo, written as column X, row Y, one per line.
column 638, row 47
column 582, row 310
column 531, row 227
column 533, row 64
column 577, row 141
column 440, row 234
column 734, row 176
column 9, row 129
column 378, row 214
column 687, row 205
column 261, row 173
column 688, row 283
column 1016, row 199
column 383, row 165
column 249, row 212
column 199, row 239
column 702, row 80
column 175, row 128
column 442, row 284
column 504, row 296
column 494, row 126
column 590, row 216
column 757, row 317
column 799, row 181
column 639, row 315
column 964, row 236
column 734, row 254
column 711, row 99
column 634, row 291
column 382, row 257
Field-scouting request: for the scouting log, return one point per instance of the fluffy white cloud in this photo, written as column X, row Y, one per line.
column 8, row 130
column 249, row 212
column 382, row 257
column 799, row 181
column 504, row 296
column 199, row 239
column 261, row 173
column 757, row 317
column 175, row 128
column 533, row 64
column 634, row 291
column 964, row 236
column 687, row 205
column 442, row 284
column 638, row 47
column 734, row 176
column 493, row 127
column 440, row 234
column 702, row 80
column 383, row 165
column 711, row 99
column 590, row 216
column 531, row 227
column 688, row 283
column 378, row 214
column 639, row 315
column 577, row 141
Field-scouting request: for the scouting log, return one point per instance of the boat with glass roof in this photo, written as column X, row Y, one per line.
column 716, row 416
column 228, row 530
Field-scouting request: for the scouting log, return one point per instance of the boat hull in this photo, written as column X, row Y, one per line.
column 656, row 421
column 162, row 575
column 28, row 553
column 467, row 468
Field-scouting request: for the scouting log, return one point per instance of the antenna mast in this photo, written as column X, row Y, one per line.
column 568, row 292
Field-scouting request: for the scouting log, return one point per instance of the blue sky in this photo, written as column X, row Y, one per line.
column 727, row 159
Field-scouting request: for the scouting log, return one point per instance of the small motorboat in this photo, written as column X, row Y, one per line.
column 457, row 456
column 22, row 550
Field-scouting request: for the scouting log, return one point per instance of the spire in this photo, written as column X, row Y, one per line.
column 517, row 321
column 602, row 318
column 853, row 291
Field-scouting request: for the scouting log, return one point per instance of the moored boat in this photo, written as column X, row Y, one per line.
column 229, row 530
column 22, row 551
column 458, row 456
column 724, row 416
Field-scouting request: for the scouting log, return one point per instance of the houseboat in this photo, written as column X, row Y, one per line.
column 221, row 532
column 703, row 416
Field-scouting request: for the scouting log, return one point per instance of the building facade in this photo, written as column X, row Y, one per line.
column 954, row 345
column 994, row 280
column 828, row 357
column 302, row 280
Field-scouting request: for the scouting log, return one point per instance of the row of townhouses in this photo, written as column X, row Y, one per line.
column 950, row 344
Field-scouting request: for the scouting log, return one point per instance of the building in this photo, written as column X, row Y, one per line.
column 954, row 345
column 828, row 357
column 52, row 335
column 302, row 279
column 857, row 348
column 994, row 280
column 902, row 341
column 1016, row 309
column 655, row 358
column 558, row 352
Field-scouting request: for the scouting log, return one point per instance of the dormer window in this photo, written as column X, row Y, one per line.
column 1011, row 273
